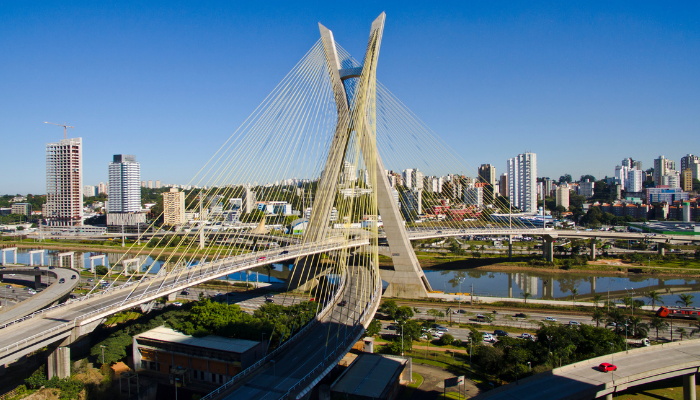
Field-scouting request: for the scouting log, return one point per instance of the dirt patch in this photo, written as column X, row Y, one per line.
column 44, row 394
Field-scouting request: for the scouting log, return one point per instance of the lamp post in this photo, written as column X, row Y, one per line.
column 103, row 354
column 612, row 350
column 402, row 339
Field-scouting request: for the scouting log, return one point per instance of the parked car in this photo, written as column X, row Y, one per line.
column 269, row 296
column 391, row 328
column 607, row 367
column 177, row 304
column 185, row 292
column 527, row 336
column 550, row 319
column 499, row 332
column 437, row 334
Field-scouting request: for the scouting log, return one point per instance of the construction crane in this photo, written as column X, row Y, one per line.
column 65, row 128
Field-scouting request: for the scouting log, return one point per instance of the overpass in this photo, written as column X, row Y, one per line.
column 52, row 294
column 582, row 380
column 69, row 321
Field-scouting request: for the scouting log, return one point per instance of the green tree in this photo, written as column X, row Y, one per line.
column 101, row 270
column 596, row 299
column 598, row 316
column 389, row 308
column 374, row 327
column 574, row 292
column 476, row 336
column 655, row 297
column 658, row 323
column 526, row 295
column 447, row 339
column 435, row 313
column 268, row 268
column 685, row 299
column 682, row 332
column 403, row 313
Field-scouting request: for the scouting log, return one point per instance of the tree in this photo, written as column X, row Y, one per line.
column 526, row 295
column 447, row 339
column 476, row 336
column 658, row 323
column 565, row 178
column 574, row 292
column 389, row 308
column 596, row 299
column 374, row 327
column 590, row 178
column 685, row 299
column 403, row 313
column 101, row 270
column 682, row 332
column 598, row 316
column 268, row 268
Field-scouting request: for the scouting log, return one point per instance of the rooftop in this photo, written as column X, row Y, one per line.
column 164, row 334
column 369, row 375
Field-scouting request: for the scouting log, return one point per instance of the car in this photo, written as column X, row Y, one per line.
column 52, row 267
column 269, row 296
column 263, row 258
column 74, row 277
column 425, row 336
column 527, row 336
column 574, row 323
column 62, row 280
column 90, row 280
column 37, row 268
column 437, row 334
column 487, row 337
column 607, row 367
column 440, row 328
column 520, row 315
column 391, row 328
column 343, row 303
column 459, row 312
column 550, row 319
column 177, row 304
column 499, row 332
column 269, row 300
column 185, row 293
column 284, row 252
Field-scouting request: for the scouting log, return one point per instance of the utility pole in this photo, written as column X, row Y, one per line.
column 65, row 128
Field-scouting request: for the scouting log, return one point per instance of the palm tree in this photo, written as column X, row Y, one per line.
column 526, row 295
column 634, row 321
column 627, row 301
column 655, row 297
column 598, row 316
column 574, row 292
column 658, row 323
column 596, row 299
column 685, row 299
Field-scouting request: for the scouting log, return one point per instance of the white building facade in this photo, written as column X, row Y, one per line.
column 64, row 182
column 522, row 182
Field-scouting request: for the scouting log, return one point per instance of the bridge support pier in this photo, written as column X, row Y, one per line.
column 662, row 250
column 609, row 396
column 510, row 247
column 510, row 285
column 59, row 363
column 31, row 257
column 13, row 250
column 37, row 281
column 593, row 241
column 689, row 392
column 548, row 248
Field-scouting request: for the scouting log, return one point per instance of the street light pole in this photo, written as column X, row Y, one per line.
column 103, row 354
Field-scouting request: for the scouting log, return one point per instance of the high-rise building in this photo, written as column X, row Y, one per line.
column 662, row 166
column 143, row 184
column 249, row 200
column 408, row 178
column 487, row 174
column 418, row 179
column 638, row 165
column 21, row 208
column 124, row 191
column 563, row 196
column 634, row 182
column 102, row 188
column 586, row 188
column 621, row 175
column 64, row 182
column 627, row 162
column 688, row 160
column 474, row 196
column 522, row 182
column 150, row 184
column 687, row 180
column 158, row 185
column 671, row 179
column 89, row 191
column 503, row 185
column 174, row 207
column 695, row 169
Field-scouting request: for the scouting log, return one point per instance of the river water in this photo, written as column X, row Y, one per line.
column 540, row 285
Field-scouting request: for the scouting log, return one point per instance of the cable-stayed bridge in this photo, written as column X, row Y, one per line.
column 326, row 143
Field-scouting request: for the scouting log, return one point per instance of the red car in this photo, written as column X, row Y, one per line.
column 607, row 367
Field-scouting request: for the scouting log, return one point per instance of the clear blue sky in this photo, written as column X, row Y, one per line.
column 581, row 84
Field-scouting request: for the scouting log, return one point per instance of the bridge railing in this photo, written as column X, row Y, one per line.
column 68, row 325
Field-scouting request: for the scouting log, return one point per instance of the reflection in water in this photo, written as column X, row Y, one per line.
column 546, row 285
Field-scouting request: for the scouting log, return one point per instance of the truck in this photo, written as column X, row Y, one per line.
column 639, row 342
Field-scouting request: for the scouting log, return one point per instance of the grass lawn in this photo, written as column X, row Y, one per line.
column 417, row 380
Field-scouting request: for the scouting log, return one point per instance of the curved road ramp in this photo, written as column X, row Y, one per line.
column 52, row 294
column 582, row 380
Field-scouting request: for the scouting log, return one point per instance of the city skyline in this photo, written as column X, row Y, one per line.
column 583, row 85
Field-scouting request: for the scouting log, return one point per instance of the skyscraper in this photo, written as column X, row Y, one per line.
column 522, row 182
column 688, row 160
column 662, row 166
column 174, row 207
column 124, row 190
column 487, row 174
column 64, row 182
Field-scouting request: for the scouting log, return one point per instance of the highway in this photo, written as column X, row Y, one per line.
column 583, row 380
column 52, row 294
